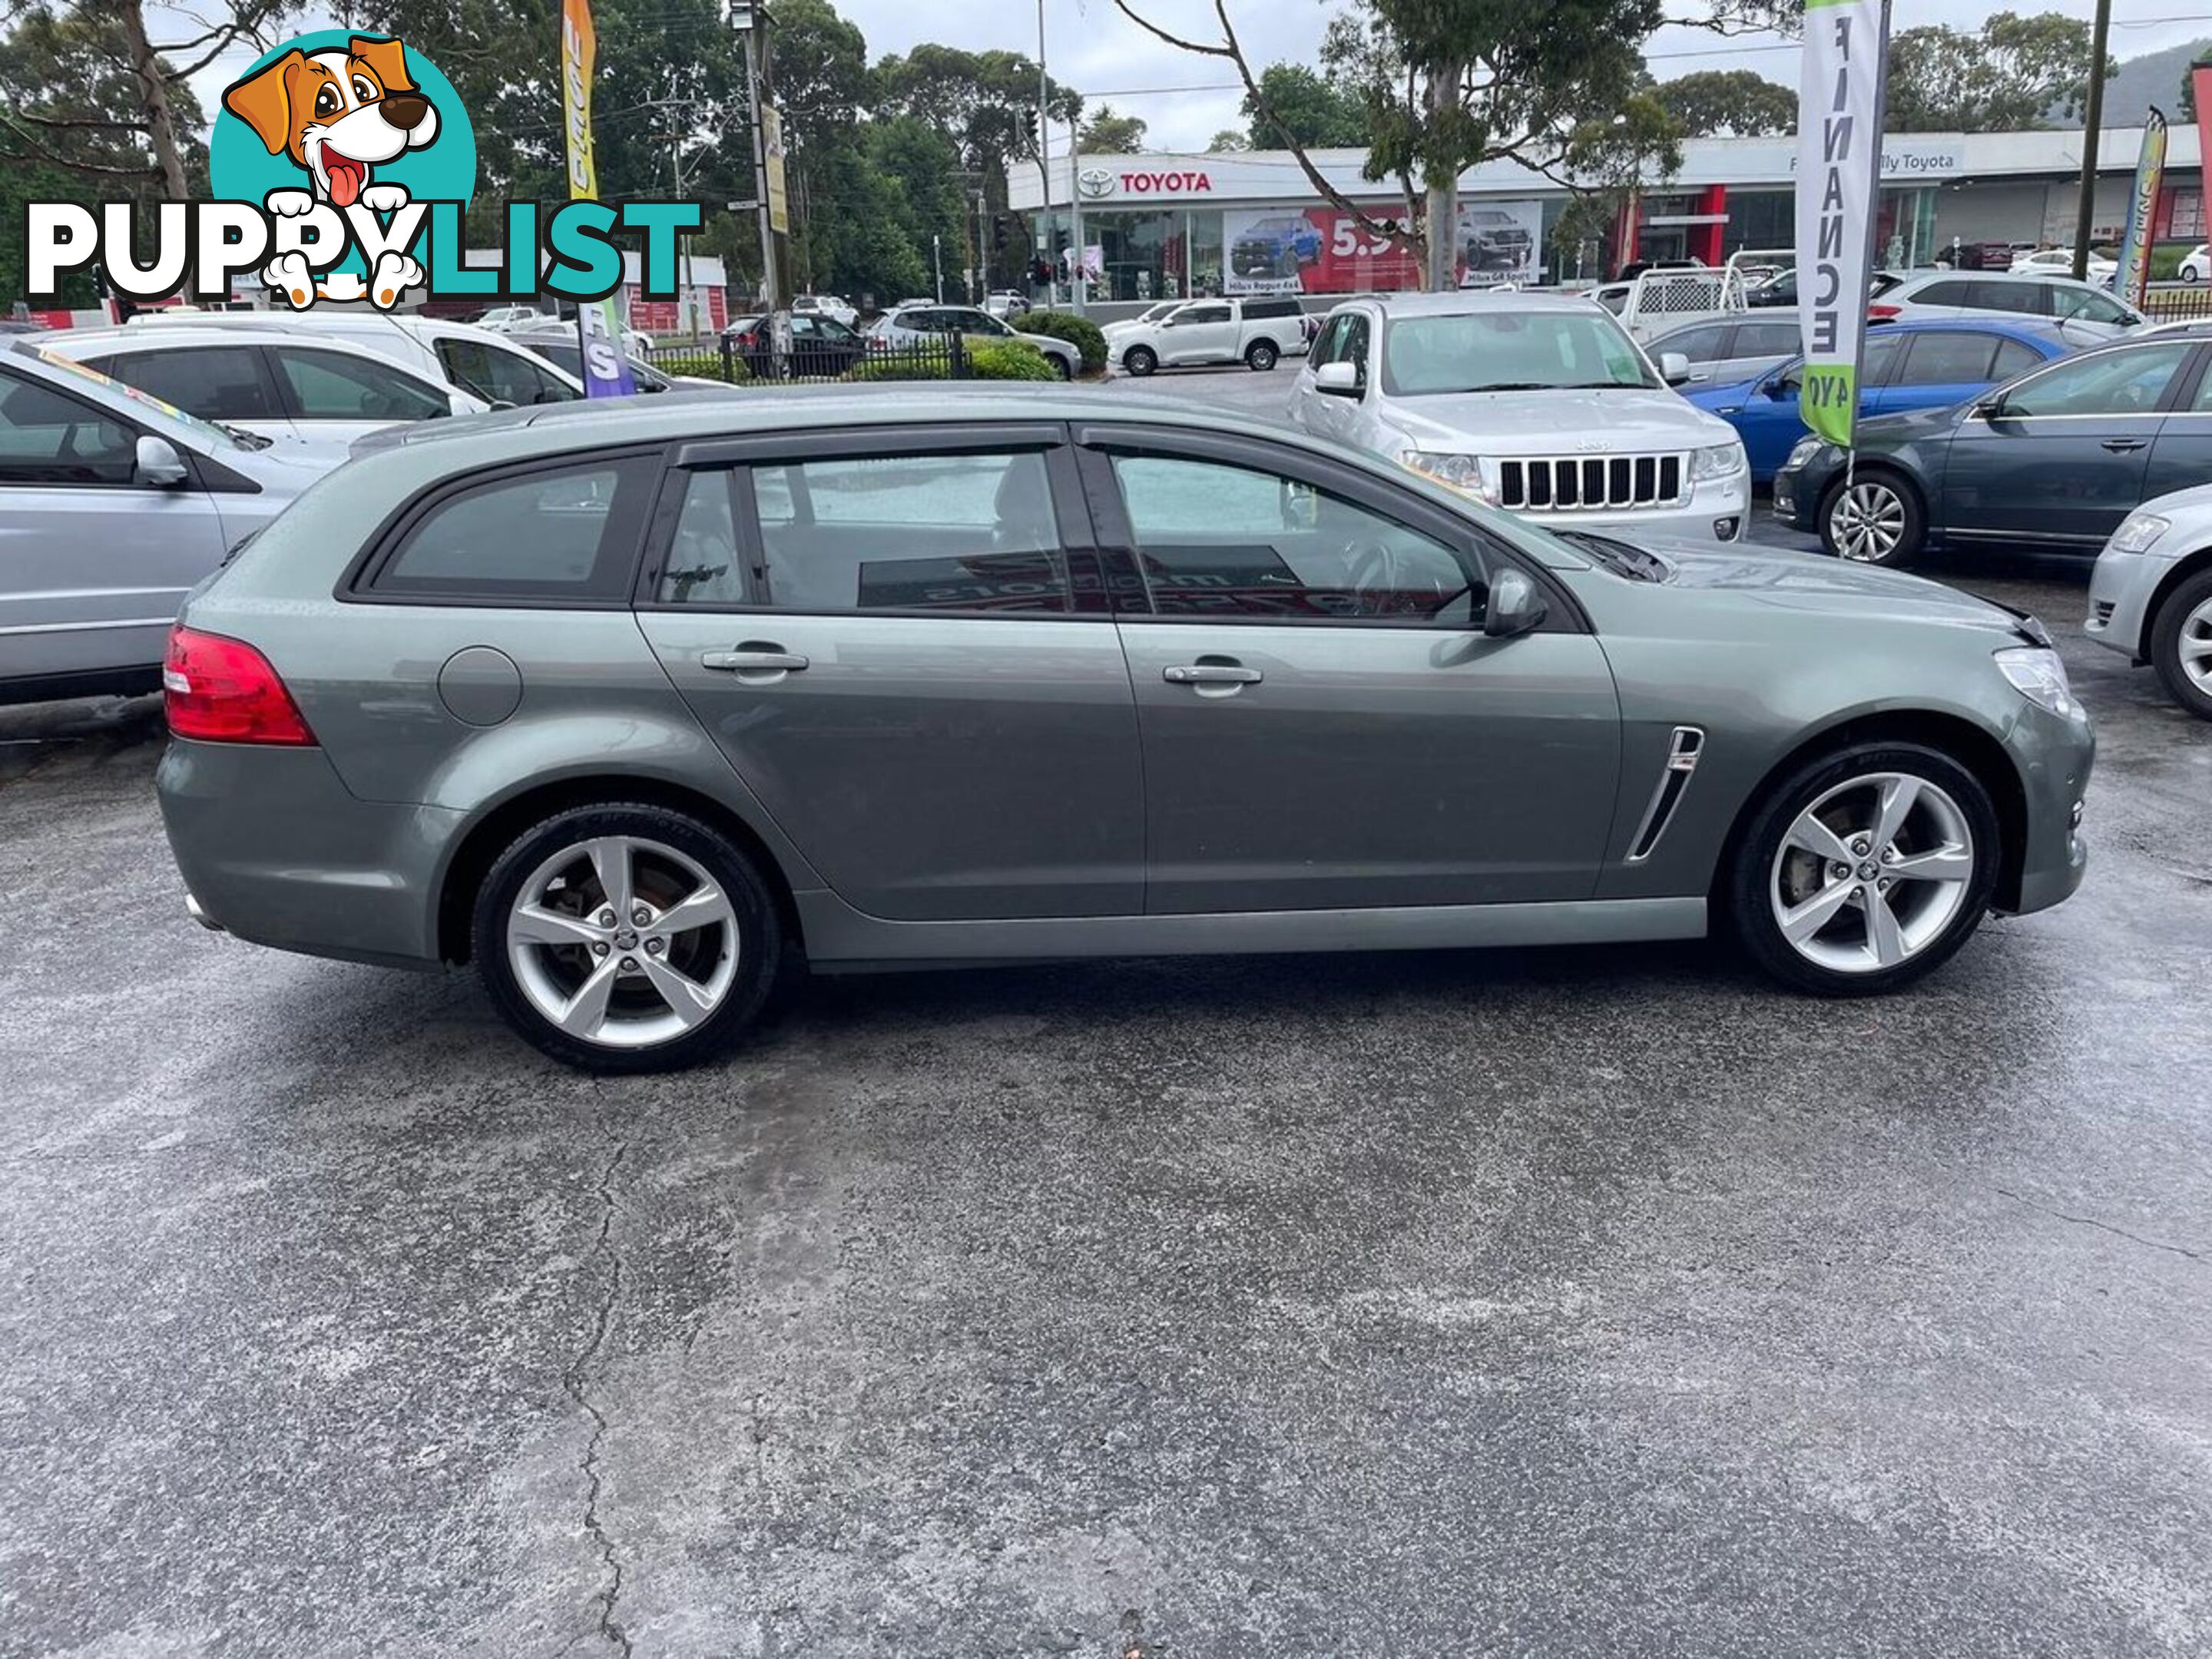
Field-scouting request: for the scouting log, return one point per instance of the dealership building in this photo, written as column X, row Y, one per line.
column 1154, row 227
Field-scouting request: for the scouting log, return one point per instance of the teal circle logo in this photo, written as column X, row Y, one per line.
column 341, row 116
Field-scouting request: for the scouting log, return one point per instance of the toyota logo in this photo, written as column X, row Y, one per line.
column 1095, row 181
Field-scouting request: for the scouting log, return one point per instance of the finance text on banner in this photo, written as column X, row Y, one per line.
column 599, row 323
column 2134, row 276
column 1838, row 181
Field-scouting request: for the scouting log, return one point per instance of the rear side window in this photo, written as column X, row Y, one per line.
column 2027, row 299
column 1202, row 314
column 945, row 534
column 1946, row 294
column 563, row 533
column 1947, row 360
column 2013, row 358
column 217, row 383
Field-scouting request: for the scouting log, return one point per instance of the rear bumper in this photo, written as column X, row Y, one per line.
column 275, row 850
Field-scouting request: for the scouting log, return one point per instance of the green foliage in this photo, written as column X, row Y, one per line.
column 2006, row 78
column 1078, row 331
column 1007, row 360
column 707, row 365
column 1109, row 134
column 1228, row 142
column 1733, row 103
column 1308, row 111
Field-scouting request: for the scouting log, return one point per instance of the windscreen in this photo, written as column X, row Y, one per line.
column 1508, row 351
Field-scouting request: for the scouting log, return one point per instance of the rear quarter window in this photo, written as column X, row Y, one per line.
column 562, row 534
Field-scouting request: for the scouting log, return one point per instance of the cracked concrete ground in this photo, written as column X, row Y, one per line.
column 1564, row 1303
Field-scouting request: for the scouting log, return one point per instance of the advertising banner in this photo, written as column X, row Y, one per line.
column 1500, row 242
column 1838, row 186
column 598, row 327
column 1324, row 251
column 772, row 153
column 2134, row 277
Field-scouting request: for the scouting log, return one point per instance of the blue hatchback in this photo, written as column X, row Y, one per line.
column 1907, row 366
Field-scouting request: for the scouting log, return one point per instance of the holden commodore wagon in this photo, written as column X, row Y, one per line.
column 635, row 708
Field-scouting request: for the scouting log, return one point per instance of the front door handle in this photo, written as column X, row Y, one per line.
column 754, row 658
column 2124, row 445
column 1211, row 673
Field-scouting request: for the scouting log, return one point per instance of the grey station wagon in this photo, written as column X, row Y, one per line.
column 632, row 707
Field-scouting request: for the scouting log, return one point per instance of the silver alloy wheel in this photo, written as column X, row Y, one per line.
column 2192, row 645
column 1870, row 874
column 623, row 941
column 1869, row 521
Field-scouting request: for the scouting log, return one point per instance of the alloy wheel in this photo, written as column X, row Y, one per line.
column 1869, row 521
column 1872, row 872
column 2192, row 646
column 623, row 942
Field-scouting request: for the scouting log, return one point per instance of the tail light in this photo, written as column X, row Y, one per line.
column 221, row 690
column 1884, row 314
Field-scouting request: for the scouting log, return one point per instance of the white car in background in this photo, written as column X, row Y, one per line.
column 1539, row 403
column 273, row 381
column 1006, row 302
column 2091, row 315
column 824, row 305
column 2059, row 262
column 915, row 323
column 1258, row 331
column 2195, row 263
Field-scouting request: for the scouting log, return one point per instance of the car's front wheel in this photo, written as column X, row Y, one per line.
column 2181, row 644
column 1262, row 356
column 1865, row 869
column 1140, row 360
column 626, row 939
column 1063, row 368
column 1873, row 518
column 2190, row 273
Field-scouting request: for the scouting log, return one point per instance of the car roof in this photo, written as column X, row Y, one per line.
column 181, row 336
column 1465, row 302
column 2023, row 277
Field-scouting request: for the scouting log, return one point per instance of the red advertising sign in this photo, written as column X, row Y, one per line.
column 652, row 316
column 1324, row 251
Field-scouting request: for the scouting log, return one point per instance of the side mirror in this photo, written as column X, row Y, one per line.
column 1780, row 387
column 158, row 464
column 1986, row 409
column 1673, row 368
column 1517, row 605
column 1338, row 380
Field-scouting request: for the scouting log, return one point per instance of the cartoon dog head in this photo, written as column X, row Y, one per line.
column 337, row 113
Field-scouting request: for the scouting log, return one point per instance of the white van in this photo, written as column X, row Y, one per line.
column 461, row 355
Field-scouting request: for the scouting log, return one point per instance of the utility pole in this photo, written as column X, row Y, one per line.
column 2090, row 133
column 983, row 255
column 1078, row 274
column 937, row 263
column 750, row 18
column 1044, row 159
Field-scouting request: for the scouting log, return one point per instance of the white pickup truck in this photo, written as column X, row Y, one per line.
column 1660, row 300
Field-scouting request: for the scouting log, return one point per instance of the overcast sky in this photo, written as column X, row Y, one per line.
column 1185, row 100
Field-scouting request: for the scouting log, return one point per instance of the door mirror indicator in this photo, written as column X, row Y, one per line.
column 1517, row 605
column 1673, row 368
column 158, row 464
column 1338, row 379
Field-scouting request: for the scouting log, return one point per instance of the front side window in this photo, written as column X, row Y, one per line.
column 1508, row 351
column 329, row 385
column 46, row 438
column 2089, row 306
column 1234, row 542
column 1767, row 339
column 1327, row 346
column 500, row 376
column 945, row 533
column 565, row 532
column 2104, row 383
column 217, row 383
column 1699, row 345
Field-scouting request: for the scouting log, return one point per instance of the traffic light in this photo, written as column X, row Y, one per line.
column 1040, row 273
column 999, row 225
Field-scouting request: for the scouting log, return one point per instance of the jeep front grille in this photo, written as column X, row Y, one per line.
column 1590, row 484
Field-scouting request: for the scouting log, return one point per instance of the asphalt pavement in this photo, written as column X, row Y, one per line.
column 1602, row 1302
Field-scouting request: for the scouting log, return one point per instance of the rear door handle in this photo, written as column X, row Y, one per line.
column 753, row 659
column 1211, row 673
column 2124, row 445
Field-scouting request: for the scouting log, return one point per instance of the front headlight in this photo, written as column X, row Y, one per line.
column 1803, row 451
column 1459, row 473
column 2038, row 675
column 2140, row 533
column 1717, row 461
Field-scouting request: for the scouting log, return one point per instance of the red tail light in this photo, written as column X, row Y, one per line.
column 219, row 691
column 1884, row 314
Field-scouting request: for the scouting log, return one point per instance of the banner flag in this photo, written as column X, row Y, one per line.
column 2134, row 276
column 598, row 322
column 1838, row 187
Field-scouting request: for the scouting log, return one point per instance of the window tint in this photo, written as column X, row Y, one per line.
column 1881, row 351
column 2013, row 358
column 1701, row 344
column 217, row 383
column 2025, row 299
column 1768, row 339
column 1947, row 359
column 1272, row 307
column 703, row 565
column 48, row 439
column 2105, row 383
column 329, row 385
column 916, row 532
column 1216, row 540
column 568, row 533
column 2087, row 305
column 1202, row 314
column 498, row 375
column 1945, row 294
column 1328, row 344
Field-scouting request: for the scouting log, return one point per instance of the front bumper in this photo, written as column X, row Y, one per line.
column 2055, row 755
column 2120, row 590
column 1793, row 500
column 275, row 849
column 1716, row 503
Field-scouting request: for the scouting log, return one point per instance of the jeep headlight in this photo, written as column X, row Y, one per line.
column 1717, row 461
column 2037, row 674
column 1804, row 451
column 1459, row 473
column 2140, row 533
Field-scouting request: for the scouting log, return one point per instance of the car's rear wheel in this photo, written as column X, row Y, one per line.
column 1140, row 360
column 1262, row 356
column 1866, row 869
column 2181, row 644
column 626, row 939
column 1873, row 518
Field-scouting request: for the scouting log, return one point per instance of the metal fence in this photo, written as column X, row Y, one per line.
column 2187, row 303
column 748, row 358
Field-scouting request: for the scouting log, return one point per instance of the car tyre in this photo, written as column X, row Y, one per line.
column 2181, row 644
column 1261, row 357
column 1141, row 360
column 2190, row 273
column 1876, row 519
column 1805, row 893
column 1061, row 367
column 599, row 995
